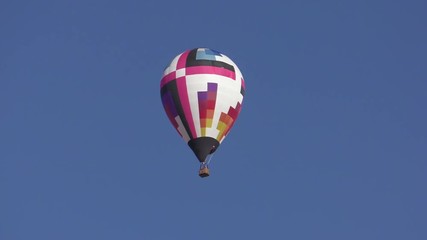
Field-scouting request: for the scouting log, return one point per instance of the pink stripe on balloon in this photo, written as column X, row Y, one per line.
column 182, row 61
column 210, row 70
column 185, row 103
column 171, row 76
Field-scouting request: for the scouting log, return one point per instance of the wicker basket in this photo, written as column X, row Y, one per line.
column 204, row 172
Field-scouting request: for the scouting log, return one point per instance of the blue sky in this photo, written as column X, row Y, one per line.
column 331, row 142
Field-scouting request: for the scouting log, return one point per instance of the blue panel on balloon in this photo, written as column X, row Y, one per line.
column 206, row 54
column 213, row 52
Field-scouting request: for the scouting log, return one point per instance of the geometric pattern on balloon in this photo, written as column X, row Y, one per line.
column 174, row 109
column 226, row 121
column 170, row 108
column 207, row 100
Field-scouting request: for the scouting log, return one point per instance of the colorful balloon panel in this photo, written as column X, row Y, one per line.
column 202, row 92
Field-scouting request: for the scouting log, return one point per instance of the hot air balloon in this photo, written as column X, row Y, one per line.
column 202, row 92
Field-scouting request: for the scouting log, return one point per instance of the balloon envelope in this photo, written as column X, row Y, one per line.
column 202, row 92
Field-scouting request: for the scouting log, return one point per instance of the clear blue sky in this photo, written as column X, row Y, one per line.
column 331, row 142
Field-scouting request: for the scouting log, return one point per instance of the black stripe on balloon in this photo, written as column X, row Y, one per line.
column 192, row 61
column 173, row 89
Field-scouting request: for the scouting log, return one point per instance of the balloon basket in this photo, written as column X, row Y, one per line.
column 204, row 172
